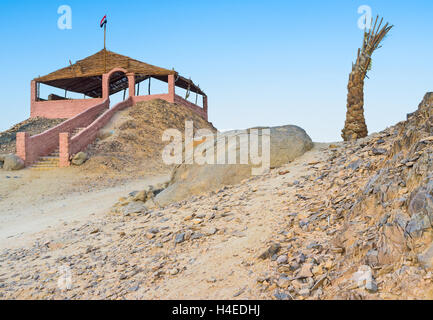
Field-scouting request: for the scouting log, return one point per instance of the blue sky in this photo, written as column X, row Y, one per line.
column 260, row 62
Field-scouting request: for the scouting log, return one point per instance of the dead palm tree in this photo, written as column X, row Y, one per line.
column 355, row 126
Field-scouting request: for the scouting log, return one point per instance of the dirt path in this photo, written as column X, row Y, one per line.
column 25, row 210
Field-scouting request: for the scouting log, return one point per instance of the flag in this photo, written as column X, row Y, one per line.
column 103, row 21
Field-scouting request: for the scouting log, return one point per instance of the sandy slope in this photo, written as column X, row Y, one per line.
column 32, row 202
column 126, row 261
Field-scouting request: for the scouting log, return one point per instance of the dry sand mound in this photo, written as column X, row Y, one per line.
column 132, row 141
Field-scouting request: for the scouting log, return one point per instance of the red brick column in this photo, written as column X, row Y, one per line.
column 32, row 97
column 131, row 84
column 171, row 88
column 205, row 106
column 64, row 150
column 22, row 144
column 105, row 86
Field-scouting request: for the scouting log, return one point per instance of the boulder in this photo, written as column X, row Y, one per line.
column 132, row 207
column 11, row 162
column 79, row 158
column 286, row 144
column 104, row 134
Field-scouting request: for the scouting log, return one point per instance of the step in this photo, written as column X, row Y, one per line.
column 46, row 164
column 42, row 169
column 53, row 159
column 49, row 159
column 41, row 163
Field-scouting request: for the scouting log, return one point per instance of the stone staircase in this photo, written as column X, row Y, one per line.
column 51, row 161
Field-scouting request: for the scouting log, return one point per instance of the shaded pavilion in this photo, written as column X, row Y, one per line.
column 103, row 74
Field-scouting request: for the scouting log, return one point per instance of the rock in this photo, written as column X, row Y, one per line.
column 305, row 271
column 314, row 245
column 272, row 250
column 211, row 280
column 141, row 196
column 281, row 296
column 174, row 271
column 284, row 282
column 364, row 279
column 12, row 162
column 153, row 230
column 238, row 293
column 391, row 244
column 379, row 151
column 94, row 231
column 188, row 235
column 104, row 134
column 304, row 292
column 133, row 207
column 286, row 144
column 179, row 238
column 79, row 159
column 282, row 259
column 371, row 287
column 380, row 141
column 301, row 258
column 319, row 282
column 420, row 209
column 355, row 165
column 426, row 257
column 211, row 231
column 196, row 235
column 371, row 258
column 144, row 195
column 133, row 193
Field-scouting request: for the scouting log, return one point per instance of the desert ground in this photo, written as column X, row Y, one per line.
column 68, row 220
column 347, row 220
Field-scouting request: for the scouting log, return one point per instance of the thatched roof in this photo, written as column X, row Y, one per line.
column 85, row 76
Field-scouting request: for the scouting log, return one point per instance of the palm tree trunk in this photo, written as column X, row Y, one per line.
column 355, row 126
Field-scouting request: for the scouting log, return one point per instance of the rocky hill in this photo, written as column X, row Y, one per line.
column 343, row 221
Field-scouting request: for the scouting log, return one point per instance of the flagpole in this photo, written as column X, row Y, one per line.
column 105, row 51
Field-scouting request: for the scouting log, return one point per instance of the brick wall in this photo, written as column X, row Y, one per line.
column 31, row 148
column 61, row 109
column 69, row 147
